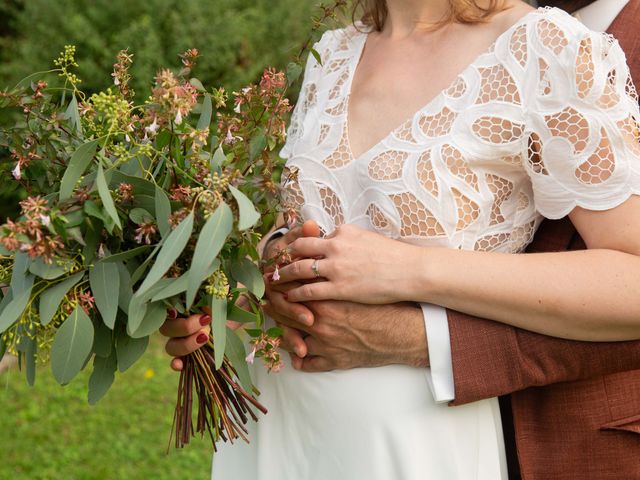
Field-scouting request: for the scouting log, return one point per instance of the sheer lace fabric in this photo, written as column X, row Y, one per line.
column 545, row 120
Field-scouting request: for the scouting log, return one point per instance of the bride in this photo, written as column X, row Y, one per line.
column 428, row 145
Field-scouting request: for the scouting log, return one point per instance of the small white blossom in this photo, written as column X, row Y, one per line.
column 45, row 220
column 249, row 358
column 17, row 173
column 153, row 128
column 178, row 119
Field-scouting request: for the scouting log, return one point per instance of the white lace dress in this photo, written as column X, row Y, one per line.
column 545, row 120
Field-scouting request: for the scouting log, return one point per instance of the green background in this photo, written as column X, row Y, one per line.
column 50, row 432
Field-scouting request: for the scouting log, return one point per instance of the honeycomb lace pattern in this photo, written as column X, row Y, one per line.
column 545, row 120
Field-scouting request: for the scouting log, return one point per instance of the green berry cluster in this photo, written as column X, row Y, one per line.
column 217, row 284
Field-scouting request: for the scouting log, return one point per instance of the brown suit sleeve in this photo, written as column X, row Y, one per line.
column 492, row 359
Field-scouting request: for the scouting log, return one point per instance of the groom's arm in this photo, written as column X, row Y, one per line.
column 492, row 359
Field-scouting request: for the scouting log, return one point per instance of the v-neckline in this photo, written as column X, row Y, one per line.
column 355, row 62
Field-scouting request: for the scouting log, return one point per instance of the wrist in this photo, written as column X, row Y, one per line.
column 420, row 275
column 414, row 351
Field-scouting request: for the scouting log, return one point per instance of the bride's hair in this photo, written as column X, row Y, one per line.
column 373, row 13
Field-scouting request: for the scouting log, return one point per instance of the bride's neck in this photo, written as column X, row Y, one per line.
column 408, row 16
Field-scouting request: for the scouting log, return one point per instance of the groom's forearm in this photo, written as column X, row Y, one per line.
column 492, row 359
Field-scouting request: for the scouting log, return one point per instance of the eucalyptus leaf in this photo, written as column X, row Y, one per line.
column 122, row 256
column 205, row 117
column 140, row 216
column 129, row 350
column 105, row 285
column 153, row 319
column 198, row 84
column 126, row 292
column 163, row 211
column 73, row 115
column 142, row 268
column 238, row 314
column 219, row 328
column 16, row 306
column 140, row 185
column 218, row 159
column 136, row 312
column 91, row 208
column 102, row 339
column 316, row 55
column 30, row 348
column 78, row 163
column 104, row 369
column 50, row 299
column 170, row 251
column 174, row 287
column 293, row 72
column 236, row 354
column 71, row 346
column 247, row 273
column 248, row 215
column 257, row 144
column 53, row 270
column 105, row 196
column 210, row 241
column 19, row 275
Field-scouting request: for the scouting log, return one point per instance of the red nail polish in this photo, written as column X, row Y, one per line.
column 205, row 320
column 202, row 338
column 172, row 313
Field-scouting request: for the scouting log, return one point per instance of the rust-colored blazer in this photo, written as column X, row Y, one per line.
column 575, row 406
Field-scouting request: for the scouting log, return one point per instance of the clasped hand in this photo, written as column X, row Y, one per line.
column 351, row 264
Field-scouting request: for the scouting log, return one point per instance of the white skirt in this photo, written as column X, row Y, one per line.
column 367, row 423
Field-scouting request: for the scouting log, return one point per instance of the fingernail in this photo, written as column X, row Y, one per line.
column 302, row 318
column 202, row 338
column 299, row 352
column 205, row 319
column 172, row 313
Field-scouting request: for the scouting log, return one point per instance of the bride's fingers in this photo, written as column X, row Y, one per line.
column 179, row 347
column 309, row 247
column 181, row 327
column 304, row 270
column 314, row 291
column 176, row 364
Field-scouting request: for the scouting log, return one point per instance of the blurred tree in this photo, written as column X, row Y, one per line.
column 236, row 40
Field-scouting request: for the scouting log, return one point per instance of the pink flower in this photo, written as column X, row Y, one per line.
column 17, row 174
column 276, row 274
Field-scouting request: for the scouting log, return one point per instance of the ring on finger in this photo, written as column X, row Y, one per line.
column 315, row 267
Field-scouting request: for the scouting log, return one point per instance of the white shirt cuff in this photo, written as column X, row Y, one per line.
column 440, row 373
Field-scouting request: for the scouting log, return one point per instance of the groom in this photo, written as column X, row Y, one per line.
column 571, row 410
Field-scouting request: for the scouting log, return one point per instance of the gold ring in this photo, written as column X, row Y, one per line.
column 315, row 267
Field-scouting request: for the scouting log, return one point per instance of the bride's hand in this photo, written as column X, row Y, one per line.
column 352, row 264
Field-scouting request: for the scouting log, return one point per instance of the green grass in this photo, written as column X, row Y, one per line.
column 50, row 432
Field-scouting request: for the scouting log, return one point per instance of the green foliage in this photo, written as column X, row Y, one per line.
column 236, row 38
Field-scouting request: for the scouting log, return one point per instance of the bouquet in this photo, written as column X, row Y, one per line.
column 138, row 211
column 134, row 212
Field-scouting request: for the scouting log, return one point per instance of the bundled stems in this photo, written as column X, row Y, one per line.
column 224, row 407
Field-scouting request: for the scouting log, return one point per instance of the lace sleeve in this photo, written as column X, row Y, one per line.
column 583, row 141
column 305, row 98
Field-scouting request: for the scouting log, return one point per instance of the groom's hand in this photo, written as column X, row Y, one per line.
column 348, row 335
